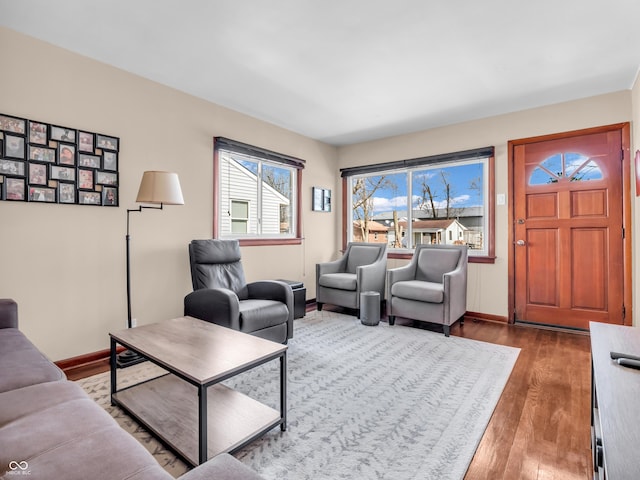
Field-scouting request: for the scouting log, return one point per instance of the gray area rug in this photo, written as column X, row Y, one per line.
column 364, row 402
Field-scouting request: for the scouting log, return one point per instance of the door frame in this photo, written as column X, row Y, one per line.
column 625, row 130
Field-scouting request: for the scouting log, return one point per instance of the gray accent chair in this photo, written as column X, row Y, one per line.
column 431, row 288
column 222, row 296
column 361, row 269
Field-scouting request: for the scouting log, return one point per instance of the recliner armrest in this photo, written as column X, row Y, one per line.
column 216, row 305
column 274, row 290
column 8, row 313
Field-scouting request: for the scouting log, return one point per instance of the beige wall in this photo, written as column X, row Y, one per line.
column 65, row 264
column 488, row 284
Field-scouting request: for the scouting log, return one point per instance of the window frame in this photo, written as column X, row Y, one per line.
column 487, row 153
column 270, row 157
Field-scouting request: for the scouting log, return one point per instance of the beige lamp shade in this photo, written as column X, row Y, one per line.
column 160, row 187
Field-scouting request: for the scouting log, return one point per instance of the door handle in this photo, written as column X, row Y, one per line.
column 521, row 243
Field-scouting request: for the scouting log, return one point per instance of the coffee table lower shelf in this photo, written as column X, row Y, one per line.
column 168, row 407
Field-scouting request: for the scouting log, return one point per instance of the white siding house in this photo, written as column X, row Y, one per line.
column 240, row 199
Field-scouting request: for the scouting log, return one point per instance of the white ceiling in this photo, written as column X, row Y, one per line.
column 347, row 71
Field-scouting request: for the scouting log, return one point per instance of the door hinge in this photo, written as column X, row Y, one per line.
column 621, row 155
column 623, row 233
column 624, row 312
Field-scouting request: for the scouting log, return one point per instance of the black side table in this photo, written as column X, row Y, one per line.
column 299, row 297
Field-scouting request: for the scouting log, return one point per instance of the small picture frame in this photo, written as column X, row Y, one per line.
column 13, row 124
column 86, row 142
column 106, row 178
column 11, row 167
column 38, row 133
column 106, row 143
column 66, row 154
column 110, row 196
column 85, row 179
column 89, row 198
column 62, row 173
column 87, row 160
column 37, row 174
column 14, row 189
column 62, row 134
column 42, row 154
column 321, row 199
column 42, row 194
column 14, row 146
column 110, row 161
column 66, row 192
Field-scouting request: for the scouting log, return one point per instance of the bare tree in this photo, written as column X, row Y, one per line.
column 364, row 188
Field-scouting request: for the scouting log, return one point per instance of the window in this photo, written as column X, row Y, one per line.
column 431, row 200
column 239, row 216
column 256, row 194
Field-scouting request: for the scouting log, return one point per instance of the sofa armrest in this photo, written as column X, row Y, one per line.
column 215, row 305
column 221, row 467
column 8, row 313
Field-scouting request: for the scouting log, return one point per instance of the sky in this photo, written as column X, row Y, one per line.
column 460, row 177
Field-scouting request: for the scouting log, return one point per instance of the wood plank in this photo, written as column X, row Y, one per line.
column 168, row 407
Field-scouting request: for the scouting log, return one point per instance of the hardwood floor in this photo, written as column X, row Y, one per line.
column 540, row 428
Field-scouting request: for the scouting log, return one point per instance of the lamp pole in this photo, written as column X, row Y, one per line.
column 128, row 358
column 158, row 188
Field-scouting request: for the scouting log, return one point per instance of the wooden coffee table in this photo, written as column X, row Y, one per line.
column 188, row 408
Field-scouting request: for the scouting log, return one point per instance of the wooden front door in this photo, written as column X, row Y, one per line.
column 568, row 230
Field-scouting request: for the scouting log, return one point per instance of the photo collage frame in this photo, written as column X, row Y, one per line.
column 42, row 162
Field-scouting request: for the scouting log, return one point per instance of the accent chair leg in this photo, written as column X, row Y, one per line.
column 392, row 319
column 447, row 330
column 319, row 306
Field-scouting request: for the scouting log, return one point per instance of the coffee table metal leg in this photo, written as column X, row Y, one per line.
column 112, row 364
column 283, row 391
column 202, row 415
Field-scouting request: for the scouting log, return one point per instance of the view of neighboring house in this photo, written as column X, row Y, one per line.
column 241, row 215
column 434, row 232
column 378, row 233
column 465, row 229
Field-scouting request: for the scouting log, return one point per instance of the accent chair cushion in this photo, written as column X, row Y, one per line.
column 418, row 290
column 340, row 281
column 256, row 314
column 360, row 255
column 434, row 263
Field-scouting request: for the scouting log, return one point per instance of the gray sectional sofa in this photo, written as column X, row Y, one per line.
column 50, row 429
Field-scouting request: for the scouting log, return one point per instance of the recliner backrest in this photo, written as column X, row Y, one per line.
column 359, row 255
column 217, row 264
column 434, row 262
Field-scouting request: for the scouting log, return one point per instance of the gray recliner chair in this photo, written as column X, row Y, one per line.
column 361, row 269
column 222, row 296
column 431, row 288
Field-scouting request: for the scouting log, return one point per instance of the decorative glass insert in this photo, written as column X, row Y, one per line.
column 565, row 167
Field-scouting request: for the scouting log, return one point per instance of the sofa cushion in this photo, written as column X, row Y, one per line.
column 341, row 281
column 69, row 436
column 22, row 364
column 418, row 290
column 258, row 314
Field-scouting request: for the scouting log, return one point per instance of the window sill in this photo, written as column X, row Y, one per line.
column 253, row 242
column 471, row 258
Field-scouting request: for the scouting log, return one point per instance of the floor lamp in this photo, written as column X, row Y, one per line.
column 157, row 188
